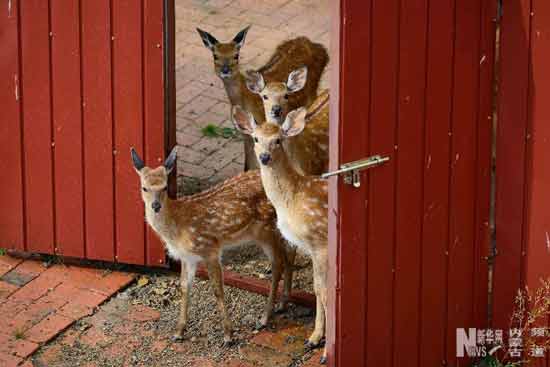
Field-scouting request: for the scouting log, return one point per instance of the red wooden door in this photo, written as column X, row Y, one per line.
column 85, row 82
column 523, row 156
column 412, row 81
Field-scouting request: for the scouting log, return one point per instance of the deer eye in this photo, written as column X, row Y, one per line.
column 215, row 57
column 145, row 189
column 255, row 139
column 264, row 97
column 236, row 57
column 286, row 96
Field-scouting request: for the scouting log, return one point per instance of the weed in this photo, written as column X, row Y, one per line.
column 19, row 334
column 213, row 131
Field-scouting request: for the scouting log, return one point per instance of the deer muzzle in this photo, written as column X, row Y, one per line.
column 265, row 158
column 156, row 206
column 276, row 111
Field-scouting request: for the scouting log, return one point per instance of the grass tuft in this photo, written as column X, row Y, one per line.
column 19, row 334
column 213, row 131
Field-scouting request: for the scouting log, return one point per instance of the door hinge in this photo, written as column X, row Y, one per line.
column 351, row 171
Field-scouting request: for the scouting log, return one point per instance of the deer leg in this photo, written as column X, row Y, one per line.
column 186, row 281
column 287, row 278
column 319, row 283
column 216, row 281
column 323, row 295
column 277, row 266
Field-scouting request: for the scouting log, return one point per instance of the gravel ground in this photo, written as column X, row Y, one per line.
column 204, row 335
column 250, row 260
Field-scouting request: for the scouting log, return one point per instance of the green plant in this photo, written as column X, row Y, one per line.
column 531, row 312
column 19, row 334
column 2, row 251
column 214, row 131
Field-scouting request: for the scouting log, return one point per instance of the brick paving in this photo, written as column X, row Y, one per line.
column 201, row 99
column 67, row 309
column 38, row 302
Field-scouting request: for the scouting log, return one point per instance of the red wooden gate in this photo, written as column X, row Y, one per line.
column 414, row 83
column 82, row 83
column 523, row 154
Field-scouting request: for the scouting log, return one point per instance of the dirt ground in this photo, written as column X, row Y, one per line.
column 133, row 329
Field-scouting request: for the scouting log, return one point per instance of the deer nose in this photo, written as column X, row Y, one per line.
column 225, row 69
column 156, row 206
column 265, row 158
column 276, row 111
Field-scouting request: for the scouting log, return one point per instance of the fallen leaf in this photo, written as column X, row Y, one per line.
column 142, row 281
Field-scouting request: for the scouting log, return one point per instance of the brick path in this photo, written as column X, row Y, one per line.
column 38, row 302
column 201, row 99
column 48, row 311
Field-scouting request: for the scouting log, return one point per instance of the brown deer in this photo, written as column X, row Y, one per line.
column 307, row 151
column 289, row 55
column 198, row 227
column 300, row 201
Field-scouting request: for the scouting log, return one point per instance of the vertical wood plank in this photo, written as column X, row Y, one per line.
column 514, row 69
column 484, row 162
column 463, row 164
column 98, row 129
column 154, row 107
column 381, row 199
column 67, row 124
column 37, row 128
column 170, row 81
column 409, row 181
column 538, row 172
column 336, row 349
column 128, row 126
column 11, row 189
column 537, row 226
column 440, row 60
column 351, row 124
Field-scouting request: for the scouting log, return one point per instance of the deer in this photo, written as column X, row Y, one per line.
column 199, row 227
column 307, row 151
column 288, row 56
column 301, row 202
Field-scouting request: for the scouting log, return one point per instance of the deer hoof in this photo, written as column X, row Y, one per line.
column 309, row 345
column 228, row 343
column 280, row 308
column 323, row 360
column 176, row 338
column 260, row 325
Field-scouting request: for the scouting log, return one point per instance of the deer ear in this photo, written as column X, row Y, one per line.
column 297, row 79
column 239, row 38
column 243, row 120
column 208, row 40
column 255, row 81
column 295, row 122
column 136, row 160
column 170, row 161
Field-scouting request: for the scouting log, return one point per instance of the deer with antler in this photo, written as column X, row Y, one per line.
column 300, row 201
column 307, row 151
column 288, row 56
column 198, row 227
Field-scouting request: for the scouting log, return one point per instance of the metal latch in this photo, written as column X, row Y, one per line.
column 351, row 170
